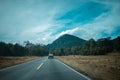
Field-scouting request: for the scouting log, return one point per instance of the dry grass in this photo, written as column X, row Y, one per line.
column 106, row 67
column 10, row 61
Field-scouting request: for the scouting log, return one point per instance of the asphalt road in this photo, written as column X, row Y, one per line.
column 41, row 69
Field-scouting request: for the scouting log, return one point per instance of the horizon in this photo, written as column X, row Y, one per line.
column 43, row 21
column 22, row 43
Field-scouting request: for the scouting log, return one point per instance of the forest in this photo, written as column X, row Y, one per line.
column 29, row 49
column 91, row 47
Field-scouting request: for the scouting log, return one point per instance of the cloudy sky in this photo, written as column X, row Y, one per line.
column 42, row 21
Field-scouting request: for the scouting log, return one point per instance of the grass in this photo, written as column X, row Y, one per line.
column 103, row 67
column 10, row 61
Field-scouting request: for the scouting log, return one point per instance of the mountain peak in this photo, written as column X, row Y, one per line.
column 66, row 35
column 67, row 41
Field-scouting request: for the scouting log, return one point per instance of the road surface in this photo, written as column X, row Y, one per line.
column 41, row 69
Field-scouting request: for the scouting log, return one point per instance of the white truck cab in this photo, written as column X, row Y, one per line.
column 50, row 56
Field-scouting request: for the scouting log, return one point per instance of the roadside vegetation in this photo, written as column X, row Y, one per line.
column 104, row 67
column 28, row 49
column 12, row 54
column 10, row 61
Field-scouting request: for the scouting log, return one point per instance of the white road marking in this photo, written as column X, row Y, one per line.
column 74, row 70
column 40, row 66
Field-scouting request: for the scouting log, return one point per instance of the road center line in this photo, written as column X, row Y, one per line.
column 40, row 66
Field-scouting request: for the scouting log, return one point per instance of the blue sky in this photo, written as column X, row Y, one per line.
column 42, row 21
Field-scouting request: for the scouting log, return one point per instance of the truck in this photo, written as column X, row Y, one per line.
column 50, row 56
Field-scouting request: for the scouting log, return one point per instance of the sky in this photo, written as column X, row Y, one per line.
column 43, row 21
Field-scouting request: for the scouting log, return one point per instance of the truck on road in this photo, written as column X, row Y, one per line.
column 50, row 56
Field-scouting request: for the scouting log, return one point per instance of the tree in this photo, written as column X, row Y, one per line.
column 4, row 49
column 104, row 45
column 116, row 44
column 89, row 47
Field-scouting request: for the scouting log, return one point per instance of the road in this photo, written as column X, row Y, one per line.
column 41, row 69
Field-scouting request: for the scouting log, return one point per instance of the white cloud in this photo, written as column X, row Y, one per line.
column 36, row 20
column 105, row 23
column 71, row 31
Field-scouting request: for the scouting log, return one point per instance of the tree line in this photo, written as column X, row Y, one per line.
column 91, row 47
column 9, row 49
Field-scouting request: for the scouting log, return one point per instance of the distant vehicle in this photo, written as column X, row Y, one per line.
column 50, row 56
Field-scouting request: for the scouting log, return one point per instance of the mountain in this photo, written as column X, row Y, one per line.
column 66, row 41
